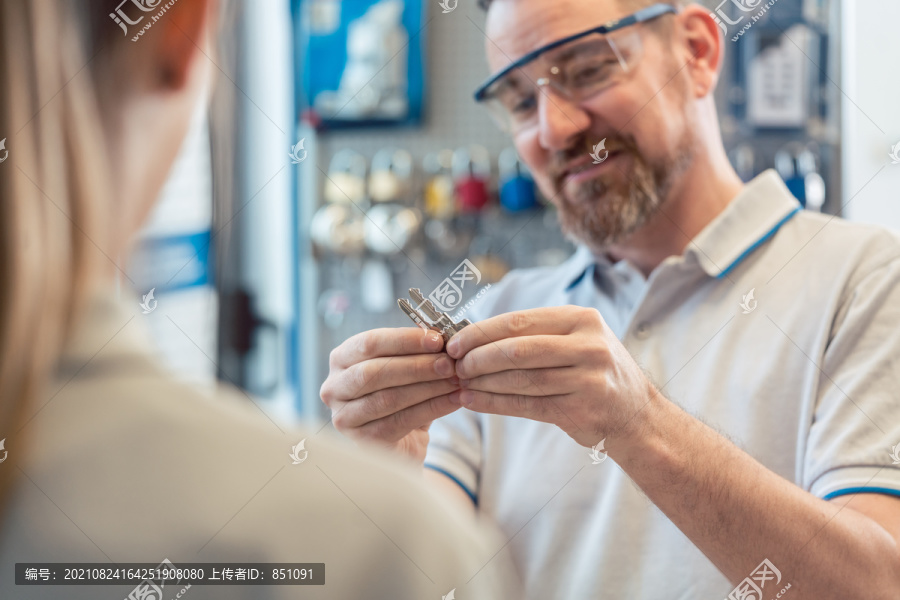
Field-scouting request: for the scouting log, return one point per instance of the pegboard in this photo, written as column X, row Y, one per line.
column 456, row 65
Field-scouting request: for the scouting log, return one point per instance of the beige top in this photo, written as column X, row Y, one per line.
column 126, row 465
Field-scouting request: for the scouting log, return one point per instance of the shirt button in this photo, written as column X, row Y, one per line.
column 643, row 331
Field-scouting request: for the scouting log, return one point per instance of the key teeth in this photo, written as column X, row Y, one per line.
column 417, row 296
column 425, row 305
column 439, row 321
column 413, row 314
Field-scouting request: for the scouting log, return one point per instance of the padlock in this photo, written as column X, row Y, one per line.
column 391, row 175
column 743, row 158
column 440, row 202
column 390, row 227
column 333, row 305
column 795, row 162
column 338, row 228
column 490, row 265
column 471, row 175
column 346, row 180
column 517, row 191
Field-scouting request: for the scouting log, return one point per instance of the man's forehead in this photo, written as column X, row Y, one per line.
column 516, row 27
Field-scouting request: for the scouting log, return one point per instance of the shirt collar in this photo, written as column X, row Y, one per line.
column 580, row 265
column 110, row 324
column 756, row 213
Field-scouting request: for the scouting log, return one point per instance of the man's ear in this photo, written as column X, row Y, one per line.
column 703, row 48
column 185, row 33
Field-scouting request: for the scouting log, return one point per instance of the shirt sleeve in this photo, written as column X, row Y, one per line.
column 455, row 446
column 854, row 440
column 454, row 449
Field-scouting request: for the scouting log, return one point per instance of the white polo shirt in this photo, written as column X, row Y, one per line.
column 804, row 377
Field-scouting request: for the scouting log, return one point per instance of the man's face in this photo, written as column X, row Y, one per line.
column 645, row 120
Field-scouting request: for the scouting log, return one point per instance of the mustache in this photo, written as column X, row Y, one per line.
column 561, row 161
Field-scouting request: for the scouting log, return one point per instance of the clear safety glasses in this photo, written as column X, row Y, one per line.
column 577, row 67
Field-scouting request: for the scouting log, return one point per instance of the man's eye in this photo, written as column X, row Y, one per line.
column 592, row 73
column 519, row 104
column 524, row 105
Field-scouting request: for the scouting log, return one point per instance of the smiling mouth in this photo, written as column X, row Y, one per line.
column 586, row 169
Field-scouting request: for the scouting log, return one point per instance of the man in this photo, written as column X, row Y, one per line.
column 730, row 351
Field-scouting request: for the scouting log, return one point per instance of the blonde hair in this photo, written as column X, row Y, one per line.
column 53, row 198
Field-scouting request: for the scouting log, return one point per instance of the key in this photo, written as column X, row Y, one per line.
column 417, row 318
column 439, row 319
column 432, row 320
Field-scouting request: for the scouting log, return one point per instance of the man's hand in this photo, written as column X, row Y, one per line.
column 388, row 385
column 560, row 365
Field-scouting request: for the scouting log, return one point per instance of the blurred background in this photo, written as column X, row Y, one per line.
column 359, row 166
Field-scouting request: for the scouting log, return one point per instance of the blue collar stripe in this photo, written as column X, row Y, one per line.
column 758, row 243
column 579, row 279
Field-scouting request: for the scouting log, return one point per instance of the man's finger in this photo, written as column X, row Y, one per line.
column 394, row 427
column 534, row 352
column 383, row 403
column 381, row 373
column 527, row 382
column 386, row 342
column 545, row 409
column 554, row 320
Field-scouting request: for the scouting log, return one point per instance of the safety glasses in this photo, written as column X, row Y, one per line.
column 577, row 67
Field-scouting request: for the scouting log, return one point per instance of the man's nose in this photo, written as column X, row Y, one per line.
column 561, row 121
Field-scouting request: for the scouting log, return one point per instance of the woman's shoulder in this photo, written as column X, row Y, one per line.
column 149, row 468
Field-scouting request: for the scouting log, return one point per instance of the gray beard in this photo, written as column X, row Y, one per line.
column 605, row 211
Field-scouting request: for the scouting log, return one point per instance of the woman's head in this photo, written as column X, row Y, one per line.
column 92, row 121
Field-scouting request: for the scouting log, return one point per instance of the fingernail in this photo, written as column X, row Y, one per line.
column 433, row 340
column 454, row 398
column 454, row 380
column 443, row 366
column 452, row 346
column 459, row 370
column 466, row 398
